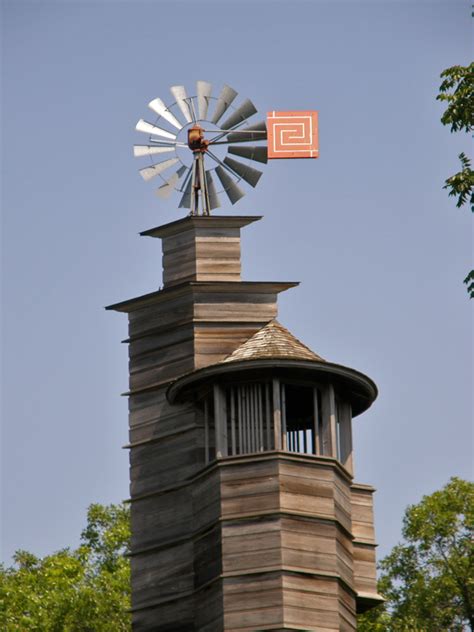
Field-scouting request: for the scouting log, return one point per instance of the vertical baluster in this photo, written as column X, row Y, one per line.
column 338, row 432
column 253, row 408
column 283, row 417
column 321, row 422
column 345, row 422
column 244, row 419
column 276, row 414
column 240, row 420
column 329, row 421
column 267, row 416
column 316, row 448
column 232, row 421
column 251, row 418
column 220, row 421
column 206, row 431
column 255, row 411
column 261, row 445
column 247, row 420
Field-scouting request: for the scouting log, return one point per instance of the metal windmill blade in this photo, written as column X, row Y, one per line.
column 226, row 97
column 154, row 130
column 204, row 90
column 247, row 173
column 166, row 189
column 252, row 152
column 246, row 134
column 182, row 101
column 232, row 189
column 213, row 197
column 151, row 150
column 185, row 201
column 150, row 172
column 160, row 108
column 241, row 114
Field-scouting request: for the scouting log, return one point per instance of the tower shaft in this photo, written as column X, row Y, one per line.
column 245, row 515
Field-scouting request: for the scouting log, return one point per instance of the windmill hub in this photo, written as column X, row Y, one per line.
column 196, row 140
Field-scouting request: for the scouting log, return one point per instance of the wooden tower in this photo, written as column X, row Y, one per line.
column 245, row 514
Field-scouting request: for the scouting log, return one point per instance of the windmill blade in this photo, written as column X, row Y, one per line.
column 148, row 128
column 160, row 108
column 242, row 113
column 179, row 93
column 259, row 154
column 204, row 90
column 186, row 179
column 150, row 172
column 246, row 134
column 159, row 142
column 185, row 201
column 166, row 189
column 247, row 173
column 234, row 192
column 150, row 150
column 211, row 189
column 225, row 98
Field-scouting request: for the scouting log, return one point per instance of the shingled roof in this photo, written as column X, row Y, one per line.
column 273, row 341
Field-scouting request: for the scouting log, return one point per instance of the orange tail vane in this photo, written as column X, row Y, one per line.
column 292, row 134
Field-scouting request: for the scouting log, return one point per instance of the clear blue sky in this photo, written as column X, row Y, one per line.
column 379, row 248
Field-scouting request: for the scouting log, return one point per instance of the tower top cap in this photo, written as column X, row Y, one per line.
column 202, row 222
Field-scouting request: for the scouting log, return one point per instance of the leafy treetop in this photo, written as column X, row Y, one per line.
column 457, row 90
column 428, row 580
column 81, row 590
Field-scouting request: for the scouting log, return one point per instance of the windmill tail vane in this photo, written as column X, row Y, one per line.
column 205, row 132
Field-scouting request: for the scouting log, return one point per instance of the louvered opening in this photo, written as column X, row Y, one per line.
column 248, row 415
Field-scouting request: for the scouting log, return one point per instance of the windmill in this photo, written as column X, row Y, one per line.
column 192, row 129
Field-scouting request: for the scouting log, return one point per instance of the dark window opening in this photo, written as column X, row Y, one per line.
column 302, row 418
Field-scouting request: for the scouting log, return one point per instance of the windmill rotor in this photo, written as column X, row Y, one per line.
column 187, row 140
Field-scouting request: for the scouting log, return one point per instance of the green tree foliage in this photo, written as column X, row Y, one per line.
column 86, row 589
column 428, row 580
column 457, row 91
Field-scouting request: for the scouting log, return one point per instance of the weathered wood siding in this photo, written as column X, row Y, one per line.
column 284, row 530
column 365, row 577
column 201, row 249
